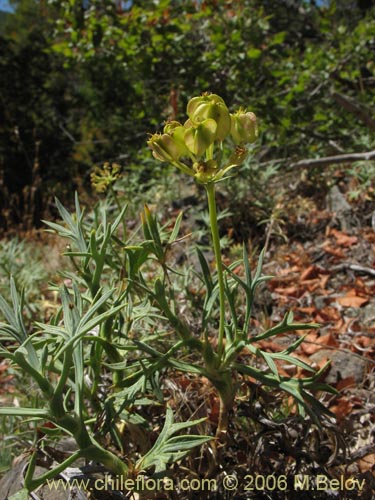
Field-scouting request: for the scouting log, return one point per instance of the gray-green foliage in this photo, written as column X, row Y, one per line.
column 88, row 331
column 119, row 329
column 23, row 261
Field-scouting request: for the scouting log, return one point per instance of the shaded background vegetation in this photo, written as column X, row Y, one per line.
column 82, row 83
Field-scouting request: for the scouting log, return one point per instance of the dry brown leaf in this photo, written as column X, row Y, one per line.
column 367, row 463
column 310, row 344
column 328, row 339
column 311, row 285
column 328, row 314
column 351, row 299
column 336, row 252
column 343, row 239
column 309, row 273
column 345, row 382
column 342, row 408
column 365, row 341
column 289, row 270
column 313, row 342
column 324, row 280
column 339, row 326
column 307, row 310
column 290, row 291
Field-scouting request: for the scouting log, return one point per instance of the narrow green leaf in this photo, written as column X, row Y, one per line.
column 293, row 361
column 247, row 266
column 205, row 270
column 98, row 301
column 283, row 327
column 24, row 412
column 230, row 295
column 83, row 329
column 8, row 313
column 176, row 228
column 259, row 268
column 270, row 362
column 58, row 228
column 184, row 443
column 169, row 448
column 118, row 220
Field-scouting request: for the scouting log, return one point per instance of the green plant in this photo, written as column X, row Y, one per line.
column 23, row 261
column 59, row 355
column 200, row 143
column 362, row 174
column 120, row 329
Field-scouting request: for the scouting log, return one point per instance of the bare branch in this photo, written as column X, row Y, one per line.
column 330, row 160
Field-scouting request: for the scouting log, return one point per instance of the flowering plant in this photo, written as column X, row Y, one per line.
column 98, row 359
column 196, row 149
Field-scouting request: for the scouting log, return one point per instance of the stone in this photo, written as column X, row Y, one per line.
column 343, row 365
column 368, row 315
column 336, row 203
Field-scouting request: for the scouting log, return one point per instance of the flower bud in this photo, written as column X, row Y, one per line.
column 200, row 138
column 177, row 132
column 166, row 147
column 170, row 126
column 244, row 127
column 210, row 106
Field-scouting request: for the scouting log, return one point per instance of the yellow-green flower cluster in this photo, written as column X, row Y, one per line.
column 103, row 178
column 209, row 124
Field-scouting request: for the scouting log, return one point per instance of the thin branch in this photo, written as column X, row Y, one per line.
column 359, row 110
column 330, row 160
column 362, row 452
column 355, row 267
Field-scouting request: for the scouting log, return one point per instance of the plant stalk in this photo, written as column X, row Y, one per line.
column 210, row 188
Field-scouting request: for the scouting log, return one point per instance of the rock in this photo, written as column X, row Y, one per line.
column 343, row 365
column 13, row 480
column 336, row 203
column 368, row 314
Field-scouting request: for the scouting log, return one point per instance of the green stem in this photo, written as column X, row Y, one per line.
column 117, row 201
column 210, row 188
column 92, row 452
column 184, row 168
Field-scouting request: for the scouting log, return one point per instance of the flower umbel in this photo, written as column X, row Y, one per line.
column 196, row 146
column 103, row 178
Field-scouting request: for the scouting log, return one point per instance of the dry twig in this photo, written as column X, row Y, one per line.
column 330, row 160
